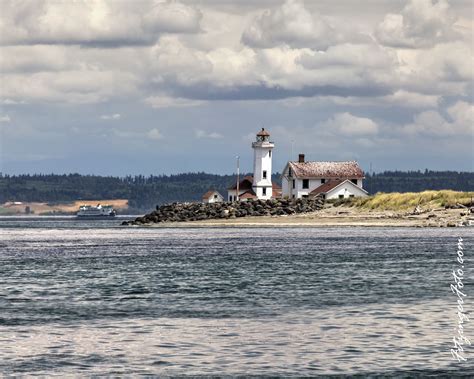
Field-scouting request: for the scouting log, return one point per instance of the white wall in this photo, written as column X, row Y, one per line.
column 345, row 190
column 233, row 193
column 213, row 199
column 262, row 162
column 299, row 191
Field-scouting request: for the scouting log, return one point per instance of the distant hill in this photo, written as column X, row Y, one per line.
column 145, row 193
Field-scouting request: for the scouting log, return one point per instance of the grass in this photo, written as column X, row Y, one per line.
column 8, row 212
column 409, row 200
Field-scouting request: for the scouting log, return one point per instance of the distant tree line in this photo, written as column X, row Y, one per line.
column 145, row 192
column 417, row 181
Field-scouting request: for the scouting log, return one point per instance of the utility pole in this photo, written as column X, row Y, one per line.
column 238, row 177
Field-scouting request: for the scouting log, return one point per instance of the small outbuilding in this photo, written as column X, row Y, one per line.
column 212, row 197
column 338, row 189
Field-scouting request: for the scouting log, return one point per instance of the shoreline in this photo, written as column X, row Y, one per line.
column 333, row 217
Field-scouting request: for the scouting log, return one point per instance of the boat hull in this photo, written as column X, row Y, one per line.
column 95, row 216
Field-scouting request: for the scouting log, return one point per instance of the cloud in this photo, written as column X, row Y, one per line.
column 11, row 102
column 5, row 118
column 409, row 99
column 432, row 123
column 30, row 59
column 172, row 17
column 115, row 116
column 137, row 135
column 210, row 135
column 171, row 102
column 400, row 98
column 94, row 23
column 71, row 86
column 180, row 71
column 443, row 70
column 154, row 134
column 291, row 24
column 370, row 56
column 422, row 23
column 350, row 125
column 245, row 74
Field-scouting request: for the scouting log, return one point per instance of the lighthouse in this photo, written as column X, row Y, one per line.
column 262, row 165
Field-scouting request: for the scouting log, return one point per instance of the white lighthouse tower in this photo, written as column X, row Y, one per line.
column 262, row 165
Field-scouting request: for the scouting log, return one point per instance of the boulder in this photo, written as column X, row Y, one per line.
column 224, row 213
column 179, row 212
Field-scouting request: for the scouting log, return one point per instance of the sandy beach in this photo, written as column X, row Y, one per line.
column 339, row 216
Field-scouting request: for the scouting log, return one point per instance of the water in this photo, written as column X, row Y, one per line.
column 90, row 298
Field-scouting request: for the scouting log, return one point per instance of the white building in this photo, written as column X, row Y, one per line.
column 212, row 197
column 331, row 180
column 262, row 165
column 259, row 185
column 338, row 189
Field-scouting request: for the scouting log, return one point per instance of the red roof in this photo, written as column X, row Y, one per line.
column 209, row 194
column 263, row 133
column 348, row 169
column 244, row 184
column 326, row 187
column 248, row 195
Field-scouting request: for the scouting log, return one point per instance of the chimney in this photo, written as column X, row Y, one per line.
column 301, row 158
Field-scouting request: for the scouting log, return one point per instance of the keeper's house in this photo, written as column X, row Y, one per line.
column 332, row 180
column 212, row 197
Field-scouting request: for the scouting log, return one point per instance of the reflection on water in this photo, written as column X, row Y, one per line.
column 289, row 301
column 339, row 340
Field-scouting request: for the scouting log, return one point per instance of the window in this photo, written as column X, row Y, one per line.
column 290, row 172
column 264, row 174
column 351, row 195
column 341, row 196
column 293, row 196
column 294, row 183
column 304, row 196
column 270, row 154
column 305, row 183
column 215, row 196
column 323, row 181
column 354, row 181
column 264, row 191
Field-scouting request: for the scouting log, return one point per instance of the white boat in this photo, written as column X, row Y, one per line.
column 98, row 211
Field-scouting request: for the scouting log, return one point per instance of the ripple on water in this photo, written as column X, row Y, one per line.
column 226, row 301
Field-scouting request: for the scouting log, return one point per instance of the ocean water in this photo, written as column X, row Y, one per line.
column 82, row 298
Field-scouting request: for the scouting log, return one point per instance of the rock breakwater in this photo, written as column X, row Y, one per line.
column 185, row 212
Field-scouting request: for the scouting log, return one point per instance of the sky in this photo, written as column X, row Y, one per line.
column 161, row 87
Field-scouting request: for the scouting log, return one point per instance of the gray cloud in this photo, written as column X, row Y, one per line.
column 202, row 76
column 264, row 91
column 421, row 23
column 291, row 24
column 97, row 24
column 432, row 123
column 115, row 116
